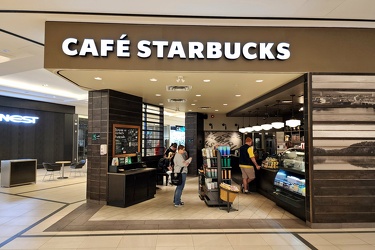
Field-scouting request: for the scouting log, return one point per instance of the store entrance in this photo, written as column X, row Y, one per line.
column 277, row 127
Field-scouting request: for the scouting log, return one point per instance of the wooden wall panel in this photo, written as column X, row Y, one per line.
column 342, row 153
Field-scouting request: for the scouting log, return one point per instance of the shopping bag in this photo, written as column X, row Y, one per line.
column 176, row 178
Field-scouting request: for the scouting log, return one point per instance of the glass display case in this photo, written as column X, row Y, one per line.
column 293, row 159
column 289, row 183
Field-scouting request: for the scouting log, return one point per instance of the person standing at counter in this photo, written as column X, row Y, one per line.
column 179, row 163
column 247, row 163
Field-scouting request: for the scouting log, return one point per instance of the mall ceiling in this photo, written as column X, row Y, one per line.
column 22, row 50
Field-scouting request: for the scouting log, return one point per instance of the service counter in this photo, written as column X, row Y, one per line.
column 265, row 182
column 131, row 186
column 18, row 172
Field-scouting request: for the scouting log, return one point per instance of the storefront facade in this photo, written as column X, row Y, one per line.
column 29, row 128
column 311, row 51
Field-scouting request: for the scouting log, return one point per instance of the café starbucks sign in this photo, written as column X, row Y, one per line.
column 206, row 48
column 176, row 49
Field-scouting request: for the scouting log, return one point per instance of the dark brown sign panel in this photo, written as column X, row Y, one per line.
column 126, row 140
column 70, row 45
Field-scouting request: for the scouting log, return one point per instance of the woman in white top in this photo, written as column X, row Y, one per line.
column 179, row 163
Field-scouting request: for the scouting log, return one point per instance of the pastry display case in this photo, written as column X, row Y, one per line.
column 289, row 183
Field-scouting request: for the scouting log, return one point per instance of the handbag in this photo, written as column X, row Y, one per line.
column 176, row 178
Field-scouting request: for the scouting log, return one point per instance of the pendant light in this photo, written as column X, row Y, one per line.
column 293, row 122
column 249, row 129
column 243, row 129
column 257, row 127
column 278, row 125
column 266, row 126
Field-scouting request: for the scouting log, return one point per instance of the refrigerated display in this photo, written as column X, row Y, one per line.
column 289, row 183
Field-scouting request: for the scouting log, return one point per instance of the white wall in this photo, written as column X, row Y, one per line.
column 82, row 110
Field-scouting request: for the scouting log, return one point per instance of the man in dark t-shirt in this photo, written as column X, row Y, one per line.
column 169, row 153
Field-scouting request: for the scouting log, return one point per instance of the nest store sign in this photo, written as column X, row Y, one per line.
column 18, row 118
column 176, row 49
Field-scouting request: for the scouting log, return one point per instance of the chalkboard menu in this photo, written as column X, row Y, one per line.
column 126, row 140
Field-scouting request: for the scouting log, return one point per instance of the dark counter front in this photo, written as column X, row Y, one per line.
column 131, row 187
column 18, row 172
column 265, row 182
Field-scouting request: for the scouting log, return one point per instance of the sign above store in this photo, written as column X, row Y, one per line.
column 18, row 118
column 190, row 50
column 205, row 48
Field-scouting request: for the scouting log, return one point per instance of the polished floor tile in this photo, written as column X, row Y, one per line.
column 54, row 215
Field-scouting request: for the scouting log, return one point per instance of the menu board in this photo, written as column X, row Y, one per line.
column 126, row 140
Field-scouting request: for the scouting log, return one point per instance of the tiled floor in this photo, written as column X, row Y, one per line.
column 54, row 215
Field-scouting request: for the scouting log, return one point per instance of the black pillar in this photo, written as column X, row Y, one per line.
column 194, row 139
column 106, row 107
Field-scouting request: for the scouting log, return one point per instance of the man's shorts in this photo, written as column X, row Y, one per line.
column 248, row 172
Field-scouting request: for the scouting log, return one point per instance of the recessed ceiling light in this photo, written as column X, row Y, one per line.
column 153, row 80
column 98, row 78
column 259, row 80
column 158, row 94
column 237, row 95
column 161, row 104
column 193, row 104
column 216, row 110
column 207, row 80
column 198, row 95
column 189, row 110
column 225, row 104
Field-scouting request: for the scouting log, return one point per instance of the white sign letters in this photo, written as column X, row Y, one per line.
column 18, row 118
column 177, row 49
